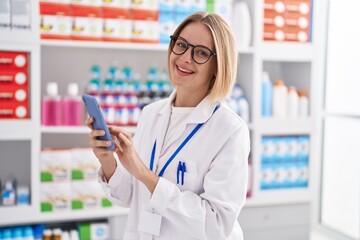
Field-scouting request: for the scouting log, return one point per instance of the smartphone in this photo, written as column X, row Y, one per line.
column 94, row 110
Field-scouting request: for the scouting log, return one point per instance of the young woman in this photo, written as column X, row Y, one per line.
column 184, row 174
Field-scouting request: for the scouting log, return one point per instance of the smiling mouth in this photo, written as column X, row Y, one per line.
column 184, row 70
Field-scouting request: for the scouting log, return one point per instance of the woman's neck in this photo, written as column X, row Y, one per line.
column 187, row 100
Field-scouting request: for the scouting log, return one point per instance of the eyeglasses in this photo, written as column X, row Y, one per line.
column 200, row 54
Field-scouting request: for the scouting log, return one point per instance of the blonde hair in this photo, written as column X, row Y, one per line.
column 226, row 53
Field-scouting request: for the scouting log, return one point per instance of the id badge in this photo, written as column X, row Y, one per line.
column 150, row 222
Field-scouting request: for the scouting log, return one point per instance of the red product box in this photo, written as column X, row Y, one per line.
column 14, row 60
column 87, row 23
column 117, row 24
column 55, row 21
column 14, row 85
column 13, row 77
column 287, row 20
column 14, row 102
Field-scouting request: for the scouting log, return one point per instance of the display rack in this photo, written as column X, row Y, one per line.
column 69, row 61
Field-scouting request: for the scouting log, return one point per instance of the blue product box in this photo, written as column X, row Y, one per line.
column 183, row 6
column 180, row 16
column 167, row 26
column 304, row 148
column 166, row 5
column 198, row 6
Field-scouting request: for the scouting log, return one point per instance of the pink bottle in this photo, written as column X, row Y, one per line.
column 51, row 114
column 73, row 106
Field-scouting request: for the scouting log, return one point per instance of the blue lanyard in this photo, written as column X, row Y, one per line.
column 178, row 149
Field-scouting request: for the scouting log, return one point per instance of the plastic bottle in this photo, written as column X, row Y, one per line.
column 17, row 233
column 7, row 234
column 95, row 80
column 73, row 107
column 28, row 233
column 242, row 24
column 9, row 193
column 47, row 234
column 266, row 95
column 65, row 235
column 57, row 234
column 74, row 235
column 293, row 103
column 38, row 231
column 279, row 103
column 95, row 72
column 51, row 114
column 303, row 105
column 23, row 195
column 244, row 111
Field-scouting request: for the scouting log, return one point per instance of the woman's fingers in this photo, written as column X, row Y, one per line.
column 89, row 122
column 125, row 139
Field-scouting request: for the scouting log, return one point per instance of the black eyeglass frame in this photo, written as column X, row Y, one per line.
column 175, row 38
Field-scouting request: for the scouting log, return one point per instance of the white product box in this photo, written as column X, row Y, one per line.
column 117, row 3
column 5, row 16
column 99, row 231
column 92, row 3
column 55, row 25
column 86, row 195
column 84, row 164
column 145, row 31
column 117, row 29
column 55, row 197
column 55, row 165
column 87, row 27
column 145, row 5
column 20, row 15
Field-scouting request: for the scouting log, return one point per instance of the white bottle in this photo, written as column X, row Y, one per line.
column 303, row 105
column 279, row 104
column 243, row 108
column 293, row 103
column 242, row 24
column 266, row 95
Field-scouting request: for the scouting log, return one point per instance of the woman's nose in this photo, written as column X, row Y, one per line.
column 186, row 56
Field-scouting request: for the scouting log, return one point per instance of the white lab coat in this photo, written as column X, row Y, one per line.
column 208, row 204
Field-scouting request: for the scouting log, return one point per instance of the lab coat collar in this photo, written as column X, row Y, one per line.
column 202, row 112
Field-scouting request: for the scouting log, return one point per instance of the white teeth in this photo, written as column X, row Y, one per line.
column 183, row 70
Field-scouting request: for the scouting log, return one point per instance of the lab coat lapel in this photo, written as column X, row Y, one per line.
column 201, row 114
column 161, row 126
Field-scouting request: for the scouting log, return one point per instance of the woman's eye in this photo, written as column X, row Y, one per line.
column 181, row 44
column 202, row 53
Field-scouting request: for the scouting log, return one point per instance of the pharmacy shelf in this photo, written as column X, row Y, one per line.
column 105, row 45
column 279, row 197
column 19, row 37
column 26, row 214
column 75, row 130
column 120, row 46
column 17, row 129
column 285, row 126
column 287, row 52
